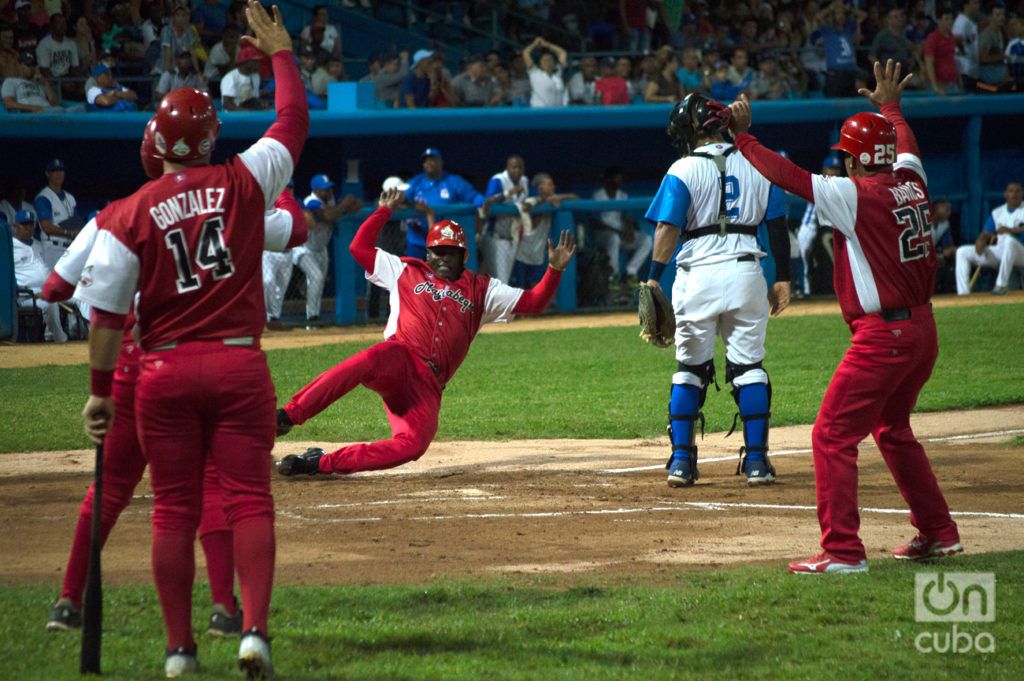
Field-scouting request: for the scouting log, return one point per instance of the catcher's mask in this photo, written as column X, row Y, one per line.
column 695, row 114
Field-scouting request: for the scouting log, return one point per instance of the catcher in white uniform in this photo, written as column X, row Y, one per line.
column 714, row 200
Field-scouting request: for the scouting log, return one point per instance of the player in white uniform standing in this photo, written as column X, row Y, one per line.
column 311, row 257
column 998, row 246
column 809, row 223
column 277, row 273
column 714, row 200
column 55, row 207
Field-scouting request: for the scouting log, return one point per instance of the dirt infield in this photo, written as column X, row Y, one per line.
column 30, row 355
column 570, row 510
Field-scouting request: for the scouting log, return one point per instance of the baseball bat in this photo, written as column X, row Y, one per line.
column 974, row 278
column 92, row 603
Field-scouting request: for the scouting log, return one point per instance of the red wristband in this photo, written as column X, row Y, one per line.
column 101, row 382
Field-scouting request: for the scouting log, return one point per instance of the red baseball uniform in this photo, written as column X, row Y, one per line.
column 186, row 242
column 432, row 323
column 123, row 462
column 884, row 276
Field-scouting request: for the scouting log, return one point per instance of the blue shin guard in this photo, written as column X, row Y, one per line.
column 684, row 412
column 753, row 404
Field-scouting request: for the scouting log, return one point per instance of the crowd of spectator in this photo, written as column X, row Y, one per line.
column 124, row 55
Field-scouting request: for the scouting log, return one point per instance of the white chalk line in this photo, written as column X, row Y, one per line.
column 792, row 452
column 671, row 507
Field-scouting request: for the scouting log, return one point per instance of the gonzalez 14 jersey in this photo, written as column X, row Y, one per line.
column 690, row 198
column 437, row 318
column 884, row 256
column 192, row 243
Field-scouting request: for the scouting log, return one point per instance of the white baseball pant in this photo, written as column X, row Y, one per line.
column 728, row 299
column 967, row 258
column 1012, row 256
column 639, row 246
column 277, row 272
column 805, row 240
column 314, row 265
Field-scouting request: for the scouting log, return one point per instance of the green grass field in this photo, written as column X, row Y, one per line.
column 753, row 622
column 583, row 383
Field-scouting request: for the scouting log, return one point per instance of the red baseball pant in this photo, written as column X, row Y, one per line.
column 873, row 390
column 412, row 400
column 123, row 466
column 200, row 402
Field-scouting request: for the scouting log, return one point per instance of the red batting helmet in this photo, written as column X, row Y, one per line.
column 446, row 233
column 152, row 163
column 869, row 138
column 186, row 126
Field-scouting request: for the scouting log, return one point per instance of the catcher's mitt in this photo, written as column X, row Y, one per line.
column 657, row 319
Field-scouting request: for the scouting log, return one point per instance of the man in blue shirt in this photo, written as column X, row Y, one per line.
column 416, row 90
column 429, row 190
column 839, row 36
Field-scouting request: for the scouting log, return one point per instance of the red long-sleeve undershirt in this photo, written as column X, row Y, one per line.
column 362, row 248
column 906, row 143
column 292, row 124
column 288, row 203
column 778, row 170
column 55, row 289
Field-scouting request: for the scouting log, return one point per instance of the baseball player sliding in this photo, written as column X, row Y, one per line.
column 884, row 276
column 714, row 200
column 437, row 307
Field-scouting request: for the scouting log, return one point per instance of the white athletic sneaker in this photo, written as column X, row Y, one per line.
column 180, row 662
column 254, row 655
column 825, row 563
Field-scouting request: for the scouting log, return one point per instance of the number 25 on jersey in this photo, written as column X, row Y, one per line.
column 916, row 237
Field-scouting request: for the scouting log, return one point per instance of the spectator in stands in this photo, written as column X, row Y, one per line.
column 387, row 82
column 333, row 72
column 581, row 85
column 210, row 19
column 965, row 32
column 616, row 232
column 633, row 24
column 182, row 76
column 992, row 74
column 839, row 34
column 31, row 272
column 920, row 27
column 768, row 82
column 178, row 36
column 8, row 55
column 547, row 88
column 432, row 189
column 690, row 73
column 508, row 186
column 531, row 253
column 39, row 14
column 721, row 87
column 1005, row 224
column 223, row 56
column 418, row 90
column 519, row 90
column 85, row 44
column 240, row 87
column 123, row 37
column 108, row 95
column 613, row 86
column 891, row 42
column 475, row 87
column 57, row 54
column 665, row 87
column 945, row 247
column 28, row 91
column 939, row 62
column 641, row 72
column 152, row 30
column 26, row 34
column 307, row 66
column 55, row 209
column 236, row 16
column 740, row 73
column 110, row 61
column 1015, row 52
column 321, row 34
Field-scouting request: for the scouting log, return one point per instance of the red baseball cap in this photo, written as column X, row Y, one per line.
column 446, row 233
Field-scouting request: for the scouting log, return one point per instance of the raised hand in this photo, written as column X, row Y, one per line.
column 391, row 199
column 888, row 86
column 271, row 35
column 559, row 257
column 742, row 117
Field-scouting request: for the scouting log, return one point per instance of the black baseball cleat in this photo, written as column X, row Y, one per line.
column 284, row 424
column 64, row 616
column 301, row 464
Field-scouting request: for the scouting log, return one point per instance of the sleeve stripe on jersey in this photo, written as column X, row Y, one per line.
column 110, row 276
column 913, row 164
column 500, row 302
column 835, row 202
column 271, row 164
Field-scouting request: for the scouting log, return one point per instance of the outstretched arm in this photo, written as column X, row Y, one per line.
column 363, row 247
column 886, row 96
column 778, row 170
